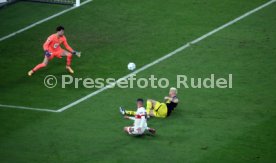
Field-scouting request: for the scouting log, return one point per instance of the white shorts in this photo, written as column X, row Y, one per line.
column 134, row 131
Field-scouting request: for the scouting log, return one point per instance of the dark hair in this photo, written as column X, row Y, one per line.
column 59, row 28
column 140, row 100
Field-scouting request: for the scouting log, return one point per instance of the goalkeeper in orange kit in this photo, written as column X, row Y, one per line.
column 52, row 49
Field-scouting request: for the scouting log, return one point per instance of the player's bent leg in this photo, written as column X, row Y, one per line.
column 129, row 130
column 151, row 130
column 39, row 66
column 160, row 116
column 153, row 113
column 68, row 60
column 162, row 111
column 150, row 105
column 126, row 129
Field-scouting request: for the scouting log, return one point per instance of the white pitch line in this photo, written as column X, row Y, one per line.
column 166, row 56
column 42, row 21
column 27, row 108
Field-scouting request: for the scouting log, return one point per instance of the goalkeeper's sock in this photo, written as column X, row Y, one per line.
column 39, row 66
column 69, row 59
column 130, row 112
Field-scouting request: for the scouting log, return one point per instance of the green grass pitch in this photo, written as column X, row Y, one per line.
column 209, row 125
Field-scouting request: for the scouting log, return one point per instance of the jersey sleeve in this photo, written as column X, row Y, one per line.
column 47, row 43
column 132, row 118
column 66, row 45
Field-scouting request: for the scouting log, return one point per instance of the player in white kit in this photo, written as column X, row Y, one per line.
column 140, row 126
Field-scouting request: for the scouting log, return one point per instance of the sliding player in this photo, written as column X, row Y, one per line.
column 158, row 109
column 52, row 49
column 140, row 122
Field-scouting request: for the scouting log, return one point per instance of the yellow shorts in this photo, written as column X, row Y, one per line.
column 160, row 110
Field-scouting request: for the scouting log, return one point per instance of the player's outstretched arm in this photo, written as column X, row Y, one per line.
column 175, row 99
column 68, row 47
column 76, row 53
column 128, row 117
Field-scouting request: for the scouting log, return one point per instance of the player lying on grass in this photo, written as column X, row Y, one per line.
column 52, row 49
column 158, row 109
column 140, row 126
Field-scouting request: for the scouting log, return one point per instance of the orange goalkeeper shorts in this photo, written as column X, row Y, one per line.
column 56, row 53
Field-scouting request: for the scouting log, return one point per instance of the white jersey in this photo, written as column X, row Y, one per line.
column 140, row 121
column 140, row 118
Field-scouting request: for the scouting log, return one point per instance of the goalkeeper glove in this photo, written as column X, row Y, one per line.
column 47, row 53
column 76, row 53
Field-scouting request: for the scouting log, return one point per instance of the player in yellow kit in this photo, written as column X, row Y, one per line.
column 156, row 108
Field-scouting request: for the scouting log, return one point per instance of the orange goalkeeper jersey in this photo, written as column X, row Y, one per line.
column 53, row 43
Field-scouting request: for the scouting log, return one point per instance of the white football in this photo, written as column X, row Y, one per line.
column 131, row 66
